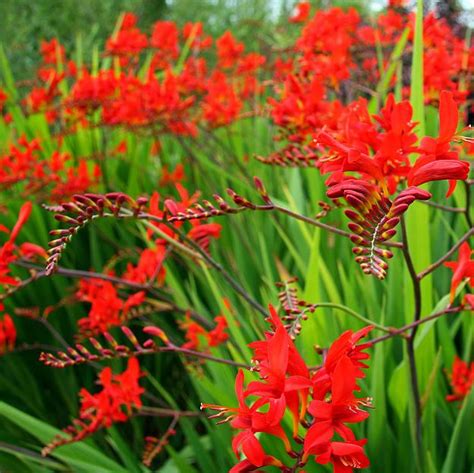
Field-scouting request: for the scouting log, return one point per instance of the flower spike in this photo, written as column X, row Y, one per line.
column 374, row 218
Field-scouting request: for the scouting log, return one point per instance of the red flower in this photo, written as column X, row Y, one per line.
column 150, row 267
column 301, row 14
column 7, row 334
column 228, row 50
column 246, row 465
column 437, row 160
column 172, row 177
column 331, row 416
column 203, row 233
column 461, row 379
column 345, row 456
column 277, row 356
column 120, row 395
column 251, row 421
column 284, row 385
column 194, row 32
column 3, row 99
column 164, row 38
column 221, row 105
column 462, row 268
column 8, row 250
column 107, row 309
column 53, row 52
column 129, row 40
column 198, row 338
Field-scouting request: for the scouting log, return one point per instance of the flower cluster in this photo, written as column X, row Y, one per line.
column 107, row 308
column 320, row 404
column 52, row 177
column 10, row 252
column 461, row 379
column 198, row 338
column 178, row 90
column 119, row 397
column 462, row 269
column 329, row 57
column 383, row 156
column 7, row 333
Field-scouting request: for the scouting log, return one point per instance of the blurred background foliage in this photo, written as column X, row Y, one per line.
column 26, row 22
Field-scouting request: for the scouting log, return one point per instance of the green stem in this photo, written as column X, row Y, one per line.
column 353, row 313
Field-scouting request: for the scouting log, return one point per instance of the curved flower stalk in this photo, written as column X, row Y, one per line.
column 82, row 210
column 85, row 208
column 80, row 354
column 292, row 156
column 374, row 218
column 321, row 405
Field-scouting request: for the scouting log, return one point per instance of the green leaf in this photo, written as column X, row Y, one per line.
column 78, row 454
column 460, row 437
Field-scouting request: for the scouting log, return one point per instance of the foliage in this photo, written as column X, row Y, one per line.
column 160, row 292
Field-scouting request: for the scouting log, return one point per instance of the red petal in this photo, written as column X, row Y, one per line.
column 448, row 117
column 25, row 212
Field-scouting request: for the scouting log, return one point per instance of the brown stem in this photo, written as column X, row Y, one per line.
column 317, row 223
column 411, row 339
column 444, row 258
column 410, row 326
column 163, row 412
column 198, row 354
column 56, row 335
column 446, row 208
column 162, row 442
column 212, row 262
column 80, row 274
column 467, row 211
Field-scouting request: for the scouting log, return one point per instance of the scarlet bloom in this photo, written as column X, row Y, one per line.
column 228, row 50
column 194, row 32
column 107, row 308
column 52, row 51
column 129, row 40
column 165, row 39
column 221, row 105
column 172, row 177
column 3, row 99
column 332, row 416
column 119, row 397
column 250, row 421
column 301, row 14
column 461, row 379
column 7, row 334
column 150, row 267
column 345, row 456
column 200, row 339
column 203, row 233
column 462, row 268
column 10, row 251
column 285, row 385
column 438, row 161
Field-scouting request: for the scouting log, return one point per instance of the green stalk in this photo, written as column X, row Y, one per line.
column 418, row 239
